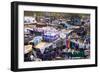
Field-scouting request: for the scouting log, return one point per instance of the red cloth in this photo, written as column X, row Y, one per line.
column 68, row 43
